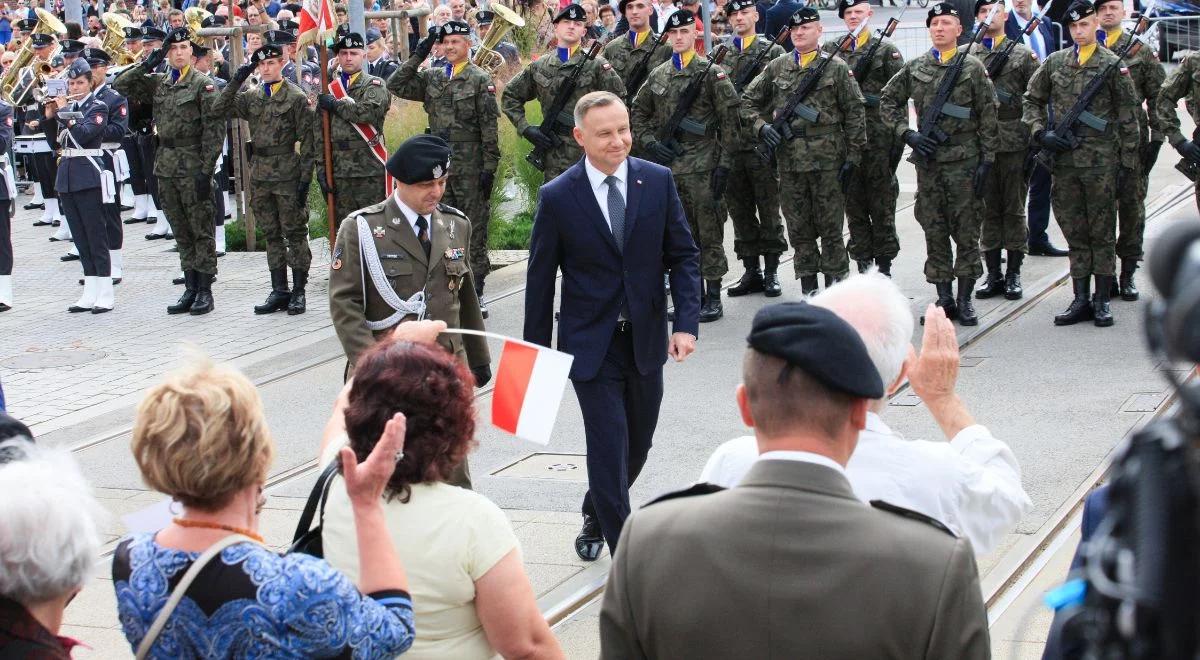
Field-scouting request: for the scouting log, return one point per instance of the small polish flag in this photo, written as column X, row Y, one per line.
column 529, row 387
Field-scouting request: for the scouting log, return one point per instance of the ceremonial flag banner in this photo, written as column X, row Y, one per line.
column 316, row 14
column 529, row 388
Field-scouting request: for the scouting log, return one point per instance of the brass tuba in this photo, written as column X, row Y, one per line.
column 114, row 38
column 486, row 56
column 194, row 18
column 47, row 24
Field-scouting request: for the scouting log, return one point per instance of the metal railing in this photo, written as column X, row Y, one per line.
column 1174, row 36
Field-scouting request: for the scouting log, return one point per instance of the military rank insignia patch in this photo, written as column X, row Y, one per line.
column 378, row 231
column 377, row 82
column 99, row 119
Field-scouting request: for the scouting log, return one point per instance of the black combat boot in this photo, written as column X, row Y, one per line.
column 1080, row 308
column 993, row 282
column 863, row 265
column 1012, row 280
column 277, row 300
column 1101, row 314
column 204, row 298
column 809, row 284
column 884, row 264
column 483, row 310
column 711, row 310
column 297, row 304
column 830, row 280
column 752, row 279
column 966, row 310
column 771, row 286
column 189, row 294
column 1128, row 288
column 945, row 299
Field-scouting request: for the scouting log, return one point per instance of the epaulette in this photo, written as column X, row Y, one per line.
column 698, row 488
column 912, row 515
column 446, row 208
column 374, row 208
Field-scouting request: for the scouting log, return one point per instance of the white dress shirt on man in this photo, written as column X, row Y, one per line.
column 972, row 484
column 596, row 179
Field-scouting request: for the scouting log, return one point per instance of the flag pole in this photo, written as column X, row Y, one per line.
column 328, row 148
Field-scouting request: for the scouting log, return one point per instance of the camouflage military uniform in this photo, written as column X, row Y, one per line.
column 946, row 205
column 810, row 193
column 871, row 199
column 462, row 110
column 540, row 81
column 624, row 57
column 753, row 193
column 187, row 152
column 277, row 123
column 1183, row 83
column 358, row 176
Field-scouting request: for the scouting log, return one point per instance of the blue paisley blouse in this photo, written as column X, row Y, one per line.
column 253, row 603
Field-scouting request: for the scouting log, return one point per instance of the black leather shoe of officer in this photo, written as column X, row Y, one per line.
column 134, row 221
column 298, row 303
column 1012, row 280
column 1081, row 307
column 483, row 310
column 993, row 283
column 808, row 284
column 185, row 302
column 752, row 279
column 1101, row 313
column 278, row 299
column 30, row 206
column 56, row 223
column 590, row 542
column 204, row 299
column 178, row 280
column 771, row 286
column 884, row 264
column 712, row 310
column 155, row 237
column 1128, row 290
column 1046, row 250
column 863, row 265
column 42, row 223
column 966, row 310
column 69, row 257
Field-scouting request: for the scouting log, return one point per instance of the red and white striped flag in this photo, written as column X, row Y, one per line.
column 529, row 387
column 316, row 15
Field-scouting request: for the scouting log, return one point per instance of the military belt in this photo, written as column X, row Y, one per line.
column 805, row 129
column 80, row 153
column 275, row 150
column 111, row 146
column 351, row 144
column 179, row 142
column 1008, row 113
column 872, row 100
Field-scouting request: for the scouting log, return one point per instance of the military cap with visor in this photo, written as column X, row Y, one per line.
column 281, row 37
column 25, row 25
column 803, row 16
column 290, row 26
column 78, row 69
column 96, row 56
column 132, row 33
column 373, row 35
column 72, row 46
column 571, row 12
column 485, row 17
column 41, row 40
column 420, row 158
column 940, row 9
column 349, row 40
column 151, row 33
column 212, row 21
column 1078, row 11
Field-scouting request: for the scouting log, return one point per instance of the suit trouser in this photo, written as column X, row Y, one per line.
column 137, row 173
column 6, row 249
column 620, row 411
column 45, row 172
column 89, row 230
column 112, row 213
column 1039, row 206
column 146, row 151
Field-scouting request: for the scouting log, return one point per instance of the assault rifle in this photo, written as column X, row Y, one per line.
column 637, row 76
column 996, row 66
column 1078, row 113
column 552, row 114
column 1186, row 166
column 794, row 106
column 751, row 71
column 679, row 121
column 941, row 105
column 864, row 64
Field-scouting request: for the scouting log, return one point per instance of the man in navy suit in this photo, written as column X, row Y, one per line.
column 613, row 225
column 1042, row 42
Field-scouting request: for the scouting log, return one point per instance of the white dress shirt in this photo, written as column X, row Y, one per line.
column 1035, row 41
column 600, row 188
column 972, row 484
column 801, row 457
column 412, row 216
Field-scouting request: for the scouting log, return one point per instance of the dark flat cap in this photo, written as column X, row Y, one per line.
column 454, row 27
column 41, row 40
column 132, row 33
column 940, row 9
column 980, row 4
column 1078, row 10
column 571, row 12
column 152, row 33
column 96, row 56
column 79, row 69
column 281, row 37
column 349, row 40
column 819, row 343
column 804, row 15
column 373, row 35
column 738, row 5
column 266, row 52
column 420, row 158
column 681, row 18
column 485, row 17
column 846, row 4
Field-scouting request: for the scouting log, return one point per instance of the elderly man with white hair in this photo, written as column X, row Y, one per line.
column 972, row 483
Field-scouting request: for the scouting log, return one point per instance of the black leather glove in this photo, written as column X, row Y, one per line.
column 1053, row 141
column 770, row 136
column 486, row 179
column 1150, row 156
column 844, row 175
column 482, row 374
column 302, row 188
column 718, row 181
column 660, row 153
column 539, row 139
column 156, row 57
column 922, row 144
column 322, row 182
column 425, row 46
column 1189, row 150
column 326, row 102
column 243, row 73
column 203, row 185
column 980, row 180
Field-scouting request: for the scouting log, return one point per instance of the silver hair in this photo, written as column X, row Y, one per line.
column 874, row 306
column 49, row 524
column 594, row 100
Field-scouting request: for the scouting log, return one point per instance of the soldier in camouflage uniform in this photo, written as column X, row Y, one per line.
column 1147, row 74
column 187, row 152
column 279, row 118
column 626, row 52
column 753, row 194
column 1003, row 226
column 871, row 198
column 358, row 174
column 951, row 176
column 1183, row 83
column 460, row 100
column 1086, row 171
column 542, row 79
column 817, row 155
column 700, row 152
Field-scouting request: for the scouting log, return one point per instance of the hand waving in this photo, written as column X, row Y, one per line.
column 936, row 370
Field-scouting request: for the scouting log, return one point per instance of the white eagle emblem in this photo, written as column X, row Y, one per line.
column 437, row 171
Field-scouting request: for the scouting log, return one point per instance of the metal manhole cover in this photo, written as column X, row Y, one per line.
column 557, row 467
column 51, row 359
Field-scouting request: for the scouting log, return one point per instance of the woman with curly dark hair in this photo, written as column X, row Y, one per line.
column 467, row 581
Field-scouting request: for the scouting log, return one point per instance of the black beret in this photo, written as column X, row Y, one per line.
column 804, row 15
column 281, row 37
column 846, row 4
column 132, row 33
column 290, row 26
column 980, row 4
column 199, row 50
column 212, row 21
column 177, row 36
column 349, row 40
column 819, row 343
column 485, row 17
column 940, row 9
column 420, row 158
column 1077, row 11
column 571, row 12
column 79, row 68
column 96, row 56
column 454, row 27
column 151, row 33
column 681, row 18
column 738, row 5
column 11, row 427
column 41, row 40
column 266, row 52
column 71, row 46
column 1098, row 3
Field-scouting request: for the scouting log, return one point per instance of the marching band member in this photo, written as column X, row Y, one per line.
column 114, row 158
column 8, row 196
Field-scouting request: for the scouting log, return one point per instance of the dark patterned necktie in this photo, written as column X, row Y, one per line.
column 423, row 235
column 616, row 212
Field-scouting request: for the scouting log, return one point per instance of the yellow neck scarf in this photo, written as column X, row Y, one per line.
column 947, row 56
column 807, row 58
column 458, row 68
column 641, row 37
column 686, row 58
column 1085, row 53
column 1113, row 37
column 863, row 38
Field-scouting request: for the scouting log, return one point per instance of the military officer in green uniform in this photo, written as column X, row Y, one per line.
column 541, row 81
column 700, row 153
column 407, row 258
column 1086, row 169
column 951, row 176
column 626, row 52
column 188, row 147
column 460, row 99
column 871, row 197
column 1003, row 226
column 1183, row 83
column 1147, row 74
column 753, row 191
column 358, row 172
column 280, row 119
column 817, row 153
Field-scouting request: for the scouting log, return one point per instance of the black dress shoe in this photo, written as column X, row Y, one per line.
column 42, row 223
column 69, row 257
column 134, row 221
column 126, row 208
column 155, row 237
column 101, row 310
column 590, row 542
column 4, row 308
column 31, row 206
column 1046, row 250
column 75, row 310
column 56, row 223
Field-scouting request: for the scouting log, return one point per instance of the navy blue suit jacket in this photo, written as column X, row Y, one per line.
column 777, row 19
column 570, row 234
column 1049, row 36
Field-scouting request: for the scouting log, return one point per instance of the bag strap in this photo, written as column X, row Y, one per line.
column 316, row 499
column 164, row 614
